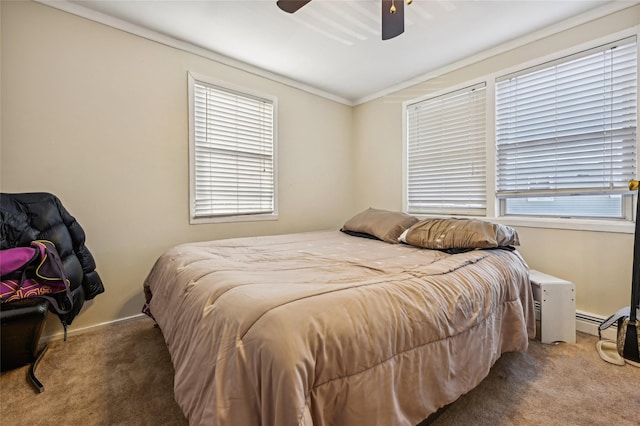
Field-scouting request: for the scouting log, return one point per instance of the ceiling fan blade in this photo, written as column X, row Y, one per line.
column 291, row 6
column 392, row 23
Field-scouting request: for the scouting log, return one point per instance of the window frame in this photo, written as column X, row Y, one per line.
column 447, row 95
column 192, row 78
column 626, row 199
column 493, row 211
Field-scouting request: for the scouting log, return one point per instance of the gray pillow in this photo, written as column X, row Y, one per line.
column 383, row 224
column 453, row 233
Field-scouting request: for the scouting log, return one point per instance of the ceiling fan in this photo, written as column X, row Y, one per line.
column 392, row 14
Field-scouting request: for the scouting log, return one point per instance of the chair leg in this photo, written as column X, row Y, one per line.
column 32, row 370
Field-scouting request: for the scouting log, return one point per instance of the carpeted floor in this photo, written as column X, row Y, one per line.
column 122, row 375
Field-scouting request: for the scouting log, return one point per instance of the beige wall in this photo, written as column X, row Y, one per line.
column 98, row 117
column 105, row 114
column 598, row 262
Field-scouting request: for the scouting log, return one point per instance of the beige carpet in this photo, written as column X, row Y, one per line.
column 122, row 375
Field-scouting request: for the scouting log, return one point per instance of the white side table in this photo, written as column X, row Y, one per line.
column 557, row 299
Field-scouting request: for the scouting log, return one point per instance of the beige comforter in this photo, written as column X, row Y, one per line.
column 325, row 328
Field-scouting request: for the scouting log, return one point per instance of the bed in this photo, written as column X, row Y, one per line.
column 328, row 328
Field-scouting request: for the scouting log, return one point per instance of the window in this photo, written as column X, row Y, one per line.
column 446, row 153
column 566, row 135
column 232, row 153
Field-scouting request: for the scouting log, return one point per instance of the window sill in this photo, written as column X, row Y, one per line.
column 229, row 219
column 593, row 225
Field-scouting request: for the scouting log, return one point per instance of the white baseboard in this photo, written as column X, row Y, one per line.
column 76, row 331
column 585, row 322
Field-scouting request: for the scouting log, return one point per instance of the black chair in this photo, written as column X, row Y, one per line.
column 21, row 325
column 41, row 216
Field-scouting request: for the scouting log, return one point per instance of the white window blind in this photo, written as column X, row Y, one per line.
column 233, row 158
column 566, row 130
column 446, row 153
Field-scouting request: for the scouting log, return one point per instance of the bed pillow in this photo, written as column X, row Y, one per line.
column 382, row 224
column 453, row 233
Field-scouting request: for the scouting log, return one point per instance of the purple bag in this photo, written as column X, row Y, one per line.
column 35, row 271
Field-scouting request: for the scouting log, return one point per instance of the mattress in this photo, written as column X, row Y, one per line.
column 324, row 328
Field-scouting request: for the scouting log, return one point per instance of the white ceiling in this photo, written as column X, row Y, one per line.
column 334, row 47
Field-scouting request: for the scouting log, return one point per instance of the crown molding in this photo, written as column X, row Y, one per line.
column 551, row 30
column 155, row 36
